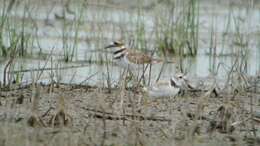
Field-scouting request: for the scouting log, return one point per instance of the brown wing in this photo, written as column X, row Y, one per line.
column 140, row 58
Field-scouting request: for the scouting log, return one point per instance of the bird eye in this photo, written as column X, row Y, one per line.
column 116, row 43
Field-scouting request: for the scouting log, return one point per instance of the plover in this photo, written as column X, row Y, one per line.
column 165, row 89
column 129, row 58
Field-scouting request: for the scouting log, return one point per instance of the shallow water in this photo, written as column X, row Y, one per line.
column 101, row 24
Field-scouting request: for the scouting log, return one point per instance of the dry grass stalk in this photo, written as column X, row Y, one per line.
column 61, row 118
column 34, row 120
column 6, row 71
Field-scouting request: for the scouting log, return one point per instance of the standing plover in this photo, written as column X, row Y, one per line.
column 129, row 58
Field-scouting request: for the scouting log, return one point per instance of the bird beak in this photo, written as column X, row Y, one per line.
column 173, row 83
column 110, row 46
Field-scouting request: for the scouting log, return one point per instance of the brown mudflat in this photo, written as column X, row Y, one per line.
column 84, row 115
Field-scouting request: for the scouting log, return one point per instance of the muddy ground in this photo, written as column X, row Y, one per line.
column 84, row 115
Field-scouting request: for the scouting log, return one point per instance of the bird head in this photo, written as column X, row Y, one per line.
column 178, row 80
column 182, row 81
column 114, row 44
column 174, row 82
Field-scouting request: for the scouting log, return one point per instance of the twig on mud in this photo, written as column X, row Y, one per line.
column 110, row 116
column 127, row 116
column 47, row 112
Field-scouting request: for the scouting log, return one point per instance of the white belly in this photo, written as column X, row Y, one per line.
column 125, row 63
column 158, row 92
column 136, row 69
column 122, row 63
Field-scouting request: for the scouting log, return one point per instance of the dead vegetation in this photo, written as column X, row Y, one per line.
column 97, row 117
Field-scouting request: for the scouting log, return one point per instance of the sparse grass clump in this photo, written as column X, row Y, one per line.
column 177, row 27
column 14, row 34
